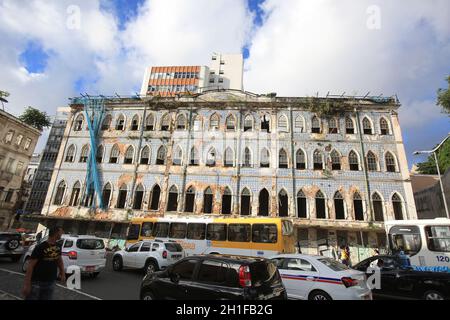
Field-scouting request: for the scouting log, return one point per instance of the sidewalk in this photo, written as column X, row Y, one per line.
column 7, row 296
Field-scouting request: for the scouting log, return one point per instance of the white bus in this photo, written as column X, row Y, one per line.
column 426, row 242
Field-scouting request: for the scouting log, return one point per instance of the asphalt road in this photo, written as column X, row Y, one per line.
column 109, row 285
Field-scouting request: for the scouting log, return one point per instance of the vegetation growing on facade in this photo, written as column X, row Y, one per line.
column 36, row 118
column 443, row 98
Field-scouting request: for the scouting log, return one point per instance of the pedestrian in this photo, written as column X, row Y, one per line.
column 345, row 255
column 42, row 270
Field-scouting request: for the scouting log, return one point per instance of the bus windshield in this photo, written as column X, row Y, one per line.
column 406, row 239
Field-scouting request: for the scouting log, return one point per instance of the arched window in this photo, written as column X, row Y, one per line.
column 367, row 126
column 70, row 155
column 283, row 159
column 165, row 122
column 316, row 126
column 84, row 154
column 397, row 206
column 390, row 162
column 320, row 206
column 78, row 125
column 154, row 198
column 318, row 160
column 339, row 208
column 99, row 155
column 333, row 126
column 172, row 203
column 194, row 161
column 226, row 201
column 248, row 123
column 283, row 123
column 211, row 158
column 265, row 158
column 161, row 156
column 106, row 195
column 302, row 209
column 231, row 123
column 349, row 126
column 358, row 207
column 228, row 157
column 114, row 157
column 190, row 200
column 145, row 155
column 75, row 194
column 353, row 161
column 283, row 203
column 377, row 203
column 246, row 203
column 135, row 123
column 300, row 160
column 208, row 201
column 120, row 123
column 150, row 123
column 138, row 197
column 89, row 196
column 214, row 122
column 60, row 190
column 335, row 160
column 247, row 158
column 106, row 123
column 263, row 200
column 129, row 155
column 177, row 156
column 384, row 127
column 181, row 122
column 299, row 124
column 122, row 198
column 198, row 123
column 372, row 164
column 265, row 122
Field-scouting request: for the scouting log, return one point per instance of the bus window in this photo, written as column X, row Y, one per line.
column 264, row 233
column 177, row 230
column 146, row 230
column 239, row 232
column 438, row 238
column 216, row 232
column 160, row 230
column 196, row 231
column 287, row 228
column 406, row 239
column 133, row 232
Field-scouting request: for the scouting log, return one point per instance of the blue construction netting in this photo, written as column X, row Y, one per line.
column 94, row 110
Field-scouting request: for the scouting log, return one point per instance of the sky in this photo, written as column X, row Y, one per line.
column 56, row 49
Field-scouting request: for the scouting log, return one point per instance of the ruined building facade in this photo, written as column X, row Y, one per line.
column 336, row 166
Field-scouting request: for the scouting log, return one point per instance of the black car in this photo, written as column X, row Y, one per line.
column 215, row 277
column 399, row 281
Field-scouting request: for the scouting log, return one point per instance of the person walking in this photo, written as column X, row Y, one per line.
column 42, row 270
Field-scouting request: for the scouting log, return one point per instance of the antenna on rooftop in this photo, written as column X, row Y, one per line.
column 342, row 95
column 366, row 95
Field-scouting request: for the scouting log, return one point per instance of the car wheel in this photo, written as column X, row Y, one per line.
column 433, row 295
column 12, row 244
column 25, row 264
column 319, row 296
column 150, row 267
column 117, row 264
column 147, row 295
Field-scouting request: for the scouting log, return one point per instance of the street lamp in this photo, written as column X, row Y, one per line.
column 438, row 171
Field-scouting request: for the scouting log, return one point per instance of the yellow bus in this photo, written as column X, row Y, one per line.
column 251, row 236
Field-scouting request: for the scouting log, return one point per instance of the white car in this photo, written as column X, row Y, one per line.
column 86, row 252
column 149, row 256
column 310, row 277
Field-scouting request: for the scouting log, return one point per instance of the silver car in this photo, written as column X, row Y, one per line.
column 11, row 245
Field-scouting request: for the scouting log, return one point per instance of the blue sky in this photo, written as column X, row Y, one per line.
column 292, row 47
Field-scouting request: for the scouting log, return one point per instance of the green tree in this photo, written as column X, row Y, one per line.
column 443, row 155
column 36, row 118
column 443, row 98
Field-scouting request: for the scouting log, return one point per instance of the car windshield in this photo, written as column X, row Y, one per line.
column 333, row 264
column 90, row 244
column 174, row 247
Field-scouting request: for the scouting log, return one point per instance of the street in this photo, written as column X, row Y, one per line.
column 109, row 285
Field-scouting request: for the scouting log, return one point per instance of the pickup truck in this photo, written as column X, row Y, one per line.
column 403, row 282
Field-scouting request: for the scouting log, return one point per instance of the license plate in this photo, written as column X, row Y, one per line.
column 90, row 269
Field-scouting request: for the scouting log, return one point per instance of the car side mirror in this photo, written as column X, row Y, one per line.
column 174, row 277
